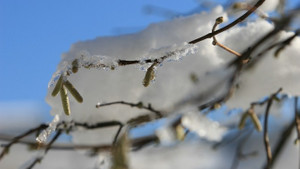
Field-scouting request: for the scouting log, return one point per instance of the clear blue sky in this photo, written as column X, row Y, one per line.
column 34, row 33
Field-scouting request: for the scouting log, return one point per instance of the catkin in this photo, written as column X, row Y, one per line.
column 149, row 75
column 73, row 91
column 57, row 86
column 243, row 120
column 65, row 100
column 256, row 121
column 120, row 157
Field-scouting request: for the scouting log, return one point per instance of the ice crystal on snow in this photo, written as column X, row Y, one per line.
column 42, row 138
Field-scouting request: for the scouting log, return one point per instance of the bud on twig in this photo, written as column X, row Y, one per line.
column 219, row 20
column 75, row 66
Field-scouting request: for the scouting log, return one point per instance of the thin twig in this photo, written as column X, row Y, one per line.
column 281, row 44
column 245, row 6
column 285, row 134
column 297, row 124
column 239, row 62
column 297, row 119
column 230, row 89
column 18, row 138
column 215, row 42
column 102, row 125
column 266, row 137
column 238, row 20
column 48, row 147
column 139, row 105
column 209, row 35
column 281, row 24
column 136, row 144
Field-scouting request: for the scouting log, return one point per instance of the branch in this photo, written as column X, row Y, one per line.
column 281, row 45
column 245, row 6
column 18, row 138
column 297, row 120
column 215, row 42
column 48, row 147
column 280, row 144
column 230, row 89
column 102, row 125
column 266, row 137
column 280, row 25
column 138, row 105
column 239, row 62
column 238, row 20
column 209, row 35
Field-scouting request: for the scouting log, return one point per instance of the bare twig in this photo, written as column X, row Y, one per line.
column 281, row 45
column 281, row 24
column 239, row 62
column 285, row 43
column 102, row 125
column 18, row 138
column 139, row 105
column 297, row 120
column 238, row 20
column 138, row 120
column 215, row 42
column 48, row 147
column 136, row 144
column 266, row 137
column 230, row 89
column 209, row 35
column 285, row 134
column 297, row 124
column 245, row 6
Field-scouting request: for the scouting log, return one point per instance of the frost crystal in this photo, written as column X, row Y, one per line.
column 98, row 61
column 42, row 138
column 174, row 52
column 204, row 127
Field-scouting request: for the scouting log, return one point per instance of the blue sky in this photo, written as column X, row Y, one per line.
column 34, row 33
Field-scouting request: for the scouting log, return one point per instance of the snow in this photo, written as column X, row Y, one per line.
column 204, row 127
column 99, row 79
column 125, row 83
